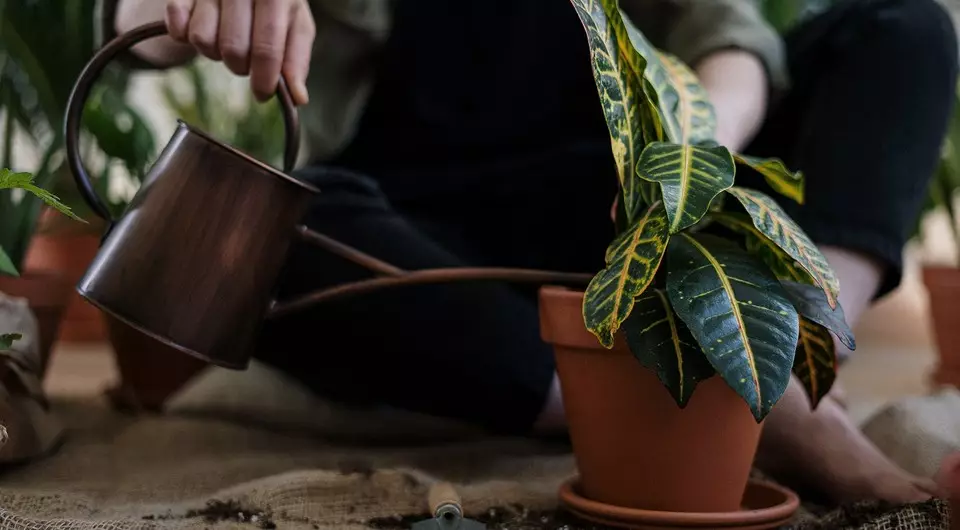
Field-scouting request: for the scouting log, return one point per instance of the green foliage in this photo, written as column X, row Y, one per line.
column 43, row 48
column 24, row 181
column 714, row 306
column 946, row 179
column 252, row 127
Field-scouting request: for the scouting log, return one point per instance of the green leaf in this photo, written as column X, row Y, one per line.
column 6, row 264
column 770, row 219
column 663, row 97
column 815, row 364
column 812, row 304
column 739, row 313
column 663, row 343
column 693, row 113
column 24, row 181
column 690, row 177
column 785, row 182
column 780, row 263
column 632, row 261
column 618, row 69
column 7, row 340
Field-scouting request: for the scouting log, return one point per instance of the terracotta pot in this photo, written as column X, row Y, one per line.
column 943, row 288
column 48, row 295
column 69, row 254
column 150, row 371
column 633, row 445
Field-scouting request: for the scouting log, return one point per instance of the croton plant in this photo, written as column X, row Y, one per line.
column 695, row 284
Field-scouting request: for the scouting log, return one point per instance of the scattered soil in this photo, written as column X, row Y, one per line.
column 216, row 511
column 505, row 518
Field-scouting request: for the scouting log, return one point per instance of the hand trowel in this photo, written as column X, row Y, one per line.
column 447, row 512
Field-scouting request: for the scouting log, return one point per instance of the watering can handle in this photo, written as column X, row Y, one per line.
column 90, row 74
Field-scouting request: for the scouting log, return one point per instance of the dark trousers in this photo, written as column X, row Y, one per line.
column 872, row 89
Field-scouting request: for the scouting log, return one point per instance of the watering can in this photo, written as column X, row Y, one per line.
column 194, row 259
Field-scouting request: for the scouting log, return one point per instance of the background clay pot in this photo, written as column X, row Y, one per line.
column 943, row 288
column 150, row 371
column 634, row 446
column 69, row 255
column 48, row 295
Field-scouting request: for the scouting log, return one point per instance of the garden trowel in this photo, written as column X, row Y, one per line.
column 447, row 511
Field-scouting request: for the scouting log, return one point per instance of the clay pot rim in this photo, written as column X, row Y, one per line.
column 616, row 515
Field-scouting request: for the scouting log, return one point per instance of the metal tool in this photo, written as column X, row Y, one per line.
column 447, row 511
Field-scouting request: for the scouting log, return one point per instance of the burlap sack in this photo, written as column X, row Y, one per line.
column 27, row 428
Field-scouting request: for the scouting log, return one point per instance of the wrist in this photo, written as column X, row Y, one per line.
column 737, row 84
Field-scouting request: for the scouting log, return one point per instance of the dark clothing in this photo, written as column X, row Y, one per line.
column 464, row 171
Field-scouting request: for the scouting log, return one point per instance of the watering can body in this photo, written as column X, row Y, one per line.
column 193, row 260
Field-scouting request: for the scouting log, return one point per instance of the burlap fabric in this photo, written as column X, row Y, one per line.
column 322, row 467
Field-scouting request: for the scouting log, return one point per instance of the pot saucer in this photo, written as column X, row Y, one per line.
column 765, row 505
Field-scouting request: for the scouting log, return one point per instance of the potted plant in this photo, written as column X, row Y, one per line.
column 704, row 278
column 943, row 281
column 37, row 71
column 47, row 294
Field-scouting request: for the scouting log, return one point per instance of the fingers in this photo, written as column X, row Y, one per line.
column 205, row 27
column 296, row 60
column 236, row 24
column 271, row 24
column 177, row 18
column 260, row 38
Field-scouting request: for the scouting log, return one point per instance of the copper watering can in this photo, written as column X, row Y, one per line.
column 193, row 260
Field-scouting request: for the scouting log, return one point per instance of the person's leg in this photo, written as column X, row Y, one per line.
column 466, row 351
column 873, row 89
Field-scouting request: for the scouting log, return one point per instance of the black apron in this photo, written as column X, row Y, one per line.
column 470, row 93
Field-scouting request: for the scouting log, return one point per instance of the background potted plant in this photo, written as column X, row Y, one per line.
column 45, row 303
column 943, row 281
column 37, row 71
column 703, row 278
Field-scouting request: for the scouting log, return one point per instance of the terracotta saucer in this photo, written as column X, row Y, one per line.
column 765, row 505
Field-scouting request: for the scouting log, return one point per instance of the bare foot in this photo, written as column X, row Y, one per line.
column 825, row 450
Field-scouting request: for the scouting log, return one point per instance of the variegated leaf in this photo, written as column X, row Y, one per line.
column 775, row 224
column 663, row 343
column 696, row 119
column 690, row 177
column 632, row 261
column 618, row 72
column 6, row 264
column 816, row 362
column 739, row 313
column 660, row 91
column 812, row 304
column 785, row 182
column 780, row 263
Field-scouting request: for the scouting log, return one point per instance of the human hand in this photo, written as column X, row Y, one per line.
column 260, row 38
